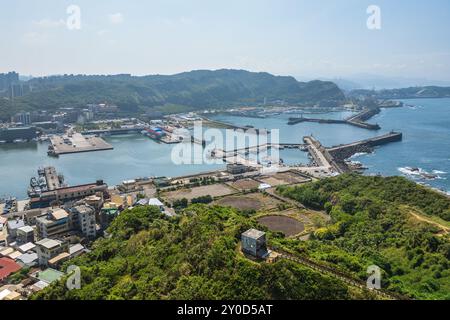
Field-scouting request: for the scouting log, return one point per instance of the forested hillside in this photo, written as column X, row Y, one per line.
column 194, row 257
column 391, row 222
column 188, row 91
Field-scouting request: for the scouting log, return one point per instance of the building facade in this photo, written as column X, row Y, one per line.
column 47, row 249
column 82, row 218
column 253, row 242
column 53, row 223
column 24, row 234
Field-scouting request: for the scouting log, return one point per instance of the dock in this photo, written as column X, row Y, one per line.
column 358, row 120
column 320, row 154
column 225, row 125
column 52, row 178
column 76, row 143
column 115, row 131
column 263, row 147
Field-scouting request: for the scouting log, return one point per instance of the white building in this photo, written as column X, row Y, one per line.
column 48, row 249
column 83, row 219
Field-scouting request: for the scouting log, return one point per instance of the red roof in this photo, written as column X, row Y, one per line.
column 8, row 266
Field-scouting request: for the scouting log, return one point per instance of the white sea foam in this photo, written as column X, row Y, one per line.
column 419, row 173
column 358, row 154
column 408, row 171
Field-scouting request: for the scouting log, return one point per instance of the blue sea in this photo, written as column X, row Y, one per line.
column 425, row 124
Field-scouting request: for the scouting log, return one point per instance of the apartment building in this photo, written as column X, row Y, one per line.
column 82, row 218
column 48, row 249
column 53, row 223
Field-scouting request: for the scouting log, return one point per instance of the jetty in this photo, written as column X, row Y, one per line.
column 342, row 152
column 265, row 146
column 225, row 125
column 358, row 120
column 334, row 158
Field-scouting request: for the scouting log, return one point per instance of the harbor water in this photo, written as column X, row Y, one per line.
column 425, row 124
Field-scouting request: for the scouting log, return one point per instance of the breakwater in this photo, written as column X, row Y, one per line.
column 345, row 151
column 357, row 120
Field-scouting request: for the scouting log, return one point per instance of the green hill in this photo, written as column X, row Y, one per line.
column 188, row 91
column 390, row 222
column 196, row 257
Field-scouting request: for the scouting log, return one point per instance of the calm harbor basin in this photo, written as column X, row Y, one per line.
column 425, row 124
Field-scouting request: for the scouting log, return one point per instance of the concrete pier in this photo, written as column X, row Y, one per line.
column 266, row 146
column 52, row 178
column 343, row 152
column 235, row 127
column 357, row 120
column 75, row 143
column 372, row 142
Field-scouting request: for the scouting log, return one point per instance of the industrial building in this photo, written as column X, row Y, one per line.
column 236, row 168
column 19, row 133
column 23, row 118
column 62, row 195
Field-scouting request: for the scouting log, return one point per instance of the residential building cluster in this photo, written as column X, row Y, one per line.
column 57, row 225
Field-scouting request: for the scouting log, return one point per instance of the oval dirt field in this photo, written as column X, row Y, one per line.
column 289, row 226
column 241, row 203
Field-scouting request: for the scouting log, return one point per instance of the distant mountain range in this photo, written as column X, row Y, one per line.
column 404, row 93
column 187, row 91
column 377, row 82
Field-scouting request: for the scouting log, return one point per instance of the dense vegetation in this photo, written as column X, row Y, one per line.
column 149, row 256
column 374, row 221
column 176, row 93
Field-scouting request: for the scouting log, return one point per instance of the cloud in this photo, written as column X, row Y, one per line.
column 171, row 22
column 102, row 32
column 35, row 38
column 49, row 23
column 115, row 18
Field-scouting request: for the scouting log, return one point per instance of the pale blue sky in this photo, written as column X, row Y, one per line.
column 321, row 38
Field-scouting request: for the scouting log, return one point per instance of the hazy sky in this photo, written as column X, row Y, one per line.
column 320, row 38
